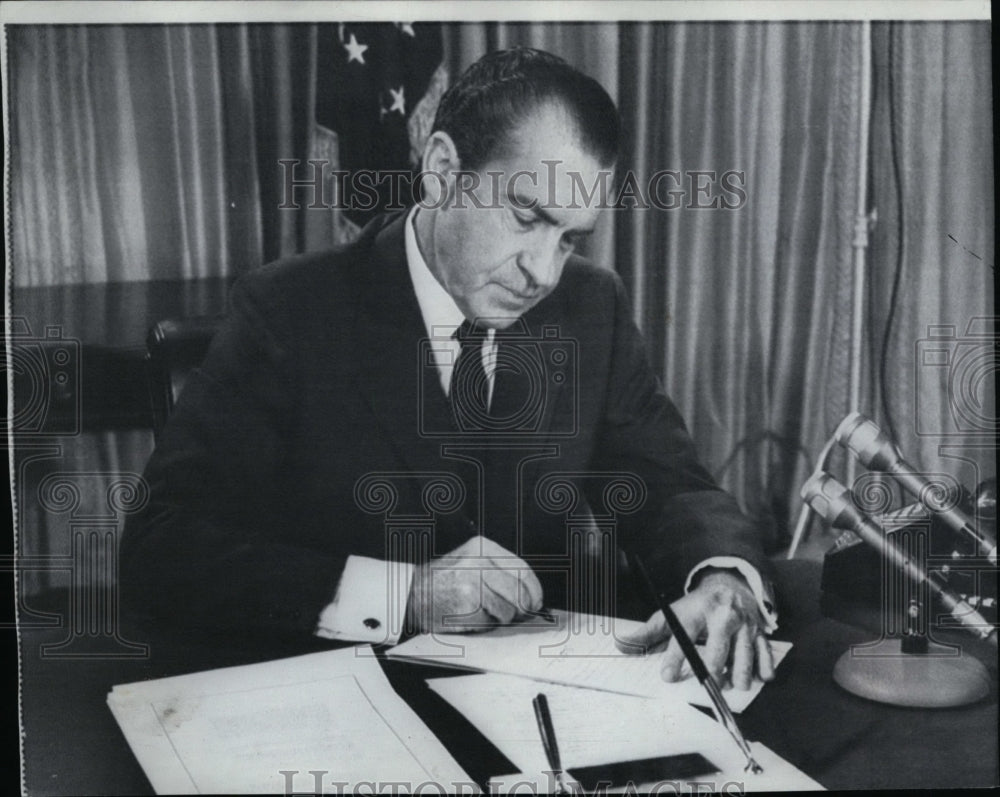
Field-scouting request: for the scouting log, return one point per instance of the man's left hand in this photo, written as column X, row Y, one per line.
column 723, row 611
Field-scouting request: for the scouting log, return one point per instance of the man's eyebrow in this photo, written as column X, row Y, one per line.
column 533, row 205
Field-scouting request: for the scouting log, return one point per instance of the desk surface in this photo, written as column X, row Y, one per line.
column 72, row 744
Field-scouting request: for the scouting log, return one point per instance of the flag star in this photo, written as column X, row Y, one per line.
column 398, row 103
column 407, row 28
column 355, row 50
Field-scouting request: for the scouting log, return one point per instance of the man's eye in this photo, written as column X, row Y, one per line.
column 525, row 221
column 568, row 242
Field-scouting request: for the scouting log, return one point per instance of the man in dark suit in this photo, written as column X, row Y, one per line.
column 409, row 433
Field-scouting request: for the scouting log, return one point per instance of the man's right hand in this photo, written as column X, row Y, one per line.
column 477, row 586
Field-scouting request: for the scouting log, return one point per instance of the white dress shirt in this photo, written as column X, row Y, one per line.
column 441, row 315
column 362, row 609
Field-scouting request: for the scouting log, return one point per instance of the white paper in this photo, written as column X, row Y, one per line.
column 577, row 650
column 591, row 727
column 594, row 728
column 244, row 729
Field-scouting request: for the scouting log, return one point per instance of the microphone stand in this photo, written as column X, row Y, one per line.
column 910, row 670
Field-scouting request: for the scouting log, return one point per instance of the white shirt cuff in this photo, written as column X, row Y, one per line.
column 765, row 600
column 370, row 604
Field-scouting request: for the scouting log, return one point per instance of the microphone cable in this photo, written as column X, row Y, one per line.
column 897, row 174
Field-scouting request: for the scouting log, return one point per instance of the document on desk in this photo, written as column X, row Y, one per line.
column 266, row 728
column 575, row 649
column 594, row 728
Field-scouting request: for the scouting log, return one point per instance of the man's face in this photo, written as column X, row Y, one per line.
column 499, row 258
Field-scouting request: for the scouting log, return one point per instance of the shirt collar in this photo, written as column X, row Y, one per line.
column 440, row 313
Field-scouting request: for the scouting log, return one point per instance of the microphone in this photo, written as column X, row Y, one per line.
column 835, row 504
column 876, row 451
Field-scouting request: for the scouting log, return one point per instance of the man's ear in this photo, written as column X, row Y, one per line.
column 438, row 167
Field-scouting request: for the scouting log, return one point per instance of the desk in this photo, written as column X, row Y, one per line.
column 73, row 745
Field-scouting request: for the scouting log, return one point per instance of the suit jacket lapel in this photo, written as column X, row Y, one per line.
column 514, row 458
column 400, row 381
column 398, row 377
column 537, row 330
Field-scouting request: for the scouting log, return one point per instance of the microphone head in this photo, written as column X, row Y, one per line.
column 848, row 425
column 869, row 444
column 831, row 500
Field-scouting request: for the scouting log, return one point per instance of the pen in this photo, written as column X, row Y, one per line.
column 548, row 734
column 722, row 712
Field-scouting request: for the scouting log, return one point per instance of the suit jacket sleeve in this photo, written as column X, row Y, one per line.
column 686, row 518
column 208, row 550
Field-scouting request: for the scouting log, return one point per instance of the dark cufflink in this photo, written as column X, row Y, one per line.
column 371, row 622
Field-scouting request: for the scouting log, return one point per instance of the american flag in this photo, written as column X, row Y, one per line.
column 378, row 86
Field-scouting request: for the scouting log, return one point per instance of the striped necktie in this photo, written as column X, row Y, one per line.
column 469, row 390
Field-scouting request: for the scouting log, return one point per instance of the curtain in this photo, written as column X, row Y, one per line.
column 143, row 152
column 746, row 311
column 151, row 151
column 931, row 309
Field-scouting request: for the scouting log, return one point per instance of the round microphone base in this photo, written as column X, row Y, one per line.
column 935, row 679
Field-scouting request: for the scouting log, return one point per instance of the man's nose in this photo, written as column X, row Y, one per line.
column 541, row 264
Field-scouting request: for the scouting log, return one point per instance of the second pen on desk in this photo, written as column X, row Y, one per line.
column 548, row 733
column 722, row 711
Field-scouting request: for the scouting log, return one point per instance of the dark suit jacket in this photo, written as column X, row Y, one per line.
column 266, row 477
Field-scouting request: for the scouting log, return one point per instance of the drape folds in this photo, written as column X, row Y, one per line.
column 931, row 311
column 151, row 152
column 747, row 309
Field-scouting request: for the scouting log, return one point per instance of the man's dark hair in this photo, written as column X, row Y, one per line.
column 502, row 88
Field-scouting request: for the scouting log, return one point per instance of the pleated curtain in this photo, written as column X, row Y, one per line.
column 151, row 152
